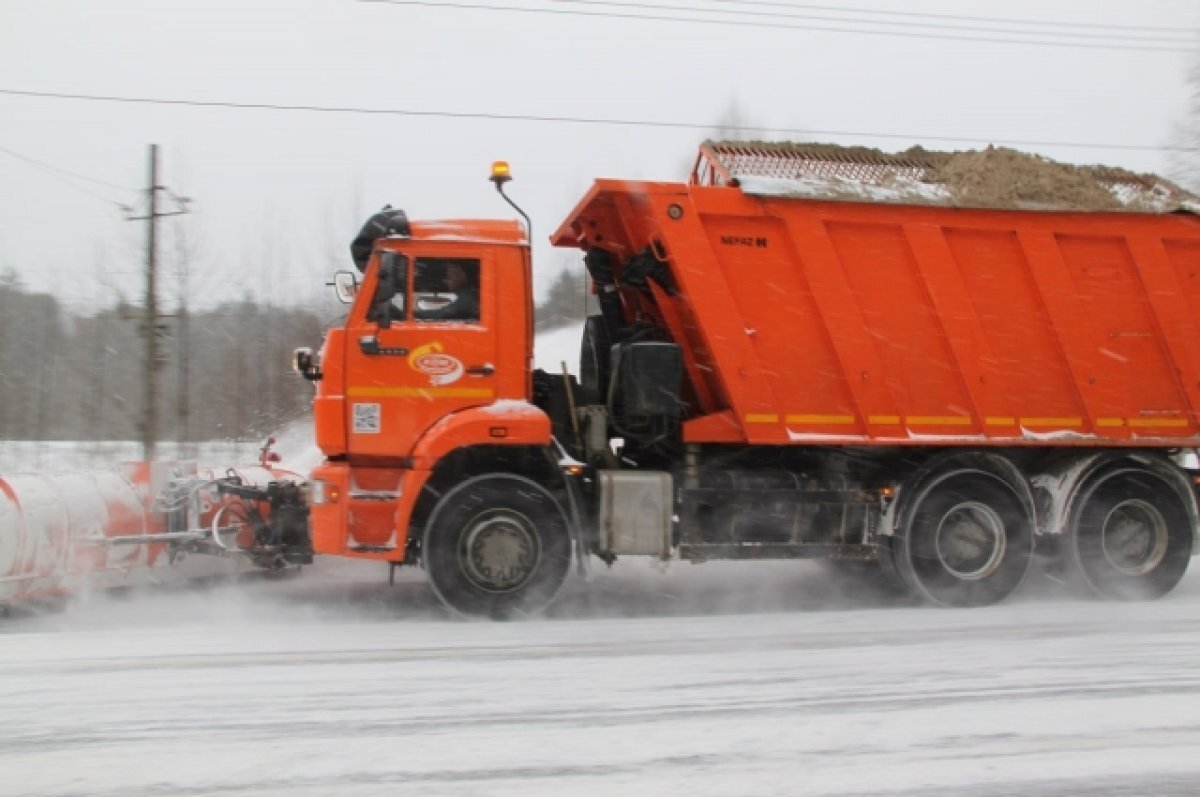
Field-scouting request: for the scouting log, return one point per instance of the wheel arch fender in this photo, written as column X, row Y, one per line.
column 1089, row 475
column 1056, row 489
column 469, row 463
column 506, row 423
column 523, row 481
column 917, row 485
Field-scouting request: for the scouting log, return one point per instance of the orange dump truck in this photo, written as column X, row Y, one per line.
column 944, row 391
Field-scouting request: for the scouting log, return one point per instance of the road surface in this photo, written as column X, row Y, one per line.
column 724, row 679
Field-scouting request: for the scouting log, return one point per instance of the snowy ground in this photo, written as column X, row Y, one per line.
column 553, row 348
column 747, row 679
column 29, row 456
column 294, row 443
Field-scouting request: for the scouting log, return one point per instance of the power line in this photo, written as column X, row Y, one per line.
column 959, row 17
column 65, row 176
column 86, row 272
column 1176, row 39
column 580, row 120
column 65, row 171
column 772, row 25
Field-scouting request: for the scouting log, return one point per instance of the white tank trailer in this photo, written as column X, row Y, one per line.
column 145, row 523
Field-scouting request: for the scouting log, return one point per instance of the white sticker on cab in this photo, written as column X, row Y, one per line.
column 366, row 419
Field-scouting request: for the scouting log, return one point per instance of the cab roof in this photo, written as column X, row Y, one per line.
column 487, row 231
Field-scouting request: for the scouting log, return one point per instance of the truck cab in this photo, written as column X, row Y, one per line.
column 416, row 350
column 428, row 377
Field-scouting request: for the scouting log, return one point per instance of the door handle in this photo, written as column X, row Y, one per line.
column 369, row 344
column 487, row 369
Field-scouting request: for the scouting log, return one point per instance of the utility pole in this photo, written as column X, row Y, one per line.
column 183, row 407
column 150, row 384
column 151, row 316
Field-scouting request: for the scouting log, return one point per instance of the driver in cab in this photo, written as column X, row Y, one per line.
column 464, row 307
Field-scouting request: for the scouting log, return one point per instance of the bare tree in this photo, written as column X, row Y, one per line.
column 732, row 124
column 187, row 252
column 569, row 300
column 1185, row 166
column 65, row 376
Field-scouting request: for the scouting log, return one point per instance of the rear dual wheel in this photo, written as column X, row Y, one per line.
column 967, row 541
column 497, row 546
column 1130, row 536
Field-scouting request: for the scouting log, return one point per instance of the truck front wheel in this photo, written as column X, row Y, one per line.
column 967, row 542
column 497, row 546
column 1130, row 537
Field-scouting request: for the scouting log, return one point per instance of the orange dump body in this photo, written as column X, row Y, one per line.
column 804, row 321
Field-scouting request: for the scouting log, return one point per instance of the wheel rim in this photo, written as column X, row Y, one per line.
column 970, row 541
column 1134, row 537
column 499, row 550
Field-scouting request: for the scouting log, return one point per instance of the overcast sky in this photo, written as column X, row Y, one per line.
column 277, row 194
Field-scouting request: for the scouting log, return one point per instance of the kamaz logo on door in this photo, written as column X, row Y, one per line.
column 433, row 361
column 744, row 240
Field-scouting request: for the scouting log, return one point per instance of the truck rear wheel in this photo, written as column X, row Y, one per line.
column 968, row 541
column 1130, row 537
column 497, row 546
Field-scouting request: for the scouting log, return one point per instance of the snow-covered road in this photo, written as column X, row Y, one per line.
column 722, row 679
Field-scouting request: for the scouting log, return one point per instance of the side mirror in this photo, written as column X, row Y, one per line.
column 345, row 285
column 304, row 363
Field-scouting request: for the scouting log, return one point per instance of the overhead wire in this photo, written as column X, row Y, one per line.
column 66, row 171
column 958, row 17
column 67, row 177
column 1174, row 39
column 582, row 120
column 441, row 4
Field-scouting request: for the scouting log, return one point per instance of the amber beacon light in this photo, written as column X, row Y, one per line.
column 501, row 173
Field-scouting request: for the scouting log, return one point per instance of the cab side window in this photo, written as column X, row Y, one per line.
column 446, row 289
column 391, row 290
